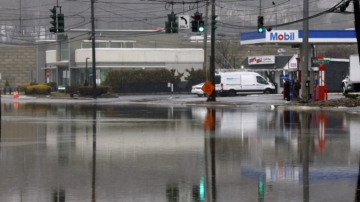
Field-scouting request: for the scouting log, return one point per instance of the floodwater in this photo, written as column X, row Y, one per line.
column 78, row 152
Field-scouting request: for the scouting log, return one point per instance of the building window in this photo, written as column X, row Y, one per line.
column 108, row 44
column 129, row 44
column 122, row 44
column 115, row 44
column 98, row 44
column 64, row 50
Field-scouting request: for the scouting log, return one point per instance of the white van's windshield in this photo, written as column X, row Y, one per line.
column 261, row 80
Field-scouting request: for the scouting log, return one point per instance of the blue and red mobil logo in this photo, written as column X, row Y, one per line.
column 282, row 36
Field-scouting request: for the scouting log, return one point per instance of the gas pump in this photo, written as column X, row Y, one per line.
column 322, row 84
column 320, row 89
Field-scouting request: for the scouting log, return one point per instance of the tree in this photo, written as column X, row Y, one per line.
column 227, row 54
column 338, row 51
column 194, row 77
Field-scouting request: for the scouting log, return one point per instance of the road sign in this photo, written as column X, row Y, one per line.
column 47, row 73
column 208, row 88
column 183, row 21
column 321, row 61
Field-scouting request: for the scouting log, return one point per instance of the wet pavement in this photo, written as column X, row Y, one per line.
column 146, row 148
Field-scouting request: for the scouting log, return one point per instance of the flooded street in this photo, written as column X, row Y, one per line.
column 84, row 152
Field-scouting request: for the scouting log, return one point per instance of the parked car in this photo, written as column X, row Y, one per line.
column 196, row 89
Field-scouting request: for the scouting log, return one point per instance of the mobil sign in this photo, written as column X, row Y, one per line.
column 282, row 36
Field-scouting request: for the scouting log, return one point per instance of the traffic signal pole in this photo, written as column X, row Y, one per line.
column 205, row 37
column 212, row 97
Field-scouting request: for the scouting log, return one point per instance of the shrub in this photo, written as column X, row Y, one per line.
column 53, row 86
column 38, row 89
column 88, row 90
column 118, row 78
column 72, row 89
column 23, row 87
column 194, row 77
column 7, row 83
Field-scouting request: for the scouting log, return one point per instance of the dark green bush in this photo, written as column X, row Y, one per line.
column 88, row 90
column 194, row 77
column 72, row 89
column 23, row 87
column 53, row 85
column 117, row 78
column 38, row 89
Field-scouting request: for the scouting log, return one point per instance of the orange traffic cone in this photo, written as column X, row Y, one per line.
column 16, row 94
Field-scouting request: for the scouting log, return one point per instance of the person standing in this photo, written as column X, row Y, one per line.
column 287, row 90
column 297, row 87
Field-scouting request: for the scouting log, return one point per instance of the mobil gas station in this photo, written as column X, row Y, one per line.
column 325, row 74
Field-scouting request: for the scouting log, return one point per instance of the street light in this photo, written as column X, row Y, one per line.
column 86, row 74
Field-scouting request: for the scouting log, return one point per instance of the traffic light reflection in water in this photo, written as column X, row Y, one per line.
column 158, row 153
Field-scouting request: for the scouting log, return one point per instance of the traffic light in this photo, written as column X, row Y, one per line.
column 61, row 22
column 260, row 24
column 174, row 27
column 54, row 19
column 194, row 26
column 171, row 26
column 174, row 24
column 198, row 191
column 172, row 192
column 167, row 27
column 261, row 190
column 201, row 26
column 195, row 23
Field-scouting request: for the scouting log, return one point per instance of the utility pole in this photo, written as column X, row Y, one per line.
column 212, row 97
column 305, row 52
column 357, row 23
column 205, row 35
column 93, row 48
column 20, row 23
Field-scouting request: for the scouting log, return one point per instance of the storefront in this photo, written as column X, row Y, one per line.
column 294, row 38
column 273, row 67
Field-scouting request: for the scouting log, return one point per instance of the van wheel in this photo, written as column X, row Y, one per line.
column 200, row 95
column 267, row 91
column 232, row 93
column 344, row 91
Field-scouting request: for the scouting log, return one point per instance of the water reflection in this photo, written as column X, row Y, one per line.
column 147, row 153
column 93, row 180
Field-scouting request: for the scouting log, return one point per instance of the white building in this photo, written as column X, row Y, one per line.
column 68, row 60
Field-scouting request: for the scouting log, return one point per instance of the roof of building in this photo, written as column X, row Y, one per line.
column 296, row 36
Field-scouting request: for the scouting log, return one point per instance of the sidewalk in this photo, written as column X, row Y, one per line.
column 261, row 101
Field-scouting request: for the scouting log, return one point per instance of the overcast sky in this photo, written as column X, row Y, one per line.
column 234, row 16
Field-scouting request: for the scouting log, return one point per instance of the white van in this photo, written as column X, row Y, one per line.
column 234, row 83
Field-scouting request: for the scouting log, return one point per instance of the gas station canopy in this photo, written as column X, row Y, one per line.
column 295, row 37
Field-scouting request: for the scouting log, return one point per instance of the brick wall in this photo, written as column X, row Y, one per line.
column 16, row 64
